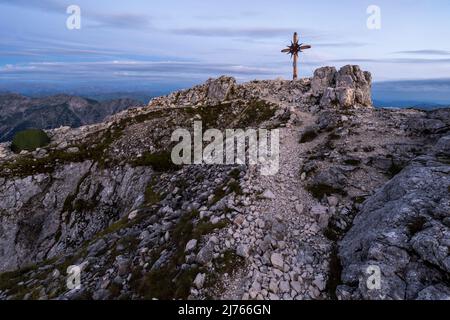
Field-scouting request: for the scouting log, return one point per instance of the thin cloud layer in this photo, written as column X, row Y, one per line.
column 177, row 40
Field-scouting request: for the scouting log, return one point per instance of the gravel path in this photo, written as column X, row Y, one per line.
column 279, row 235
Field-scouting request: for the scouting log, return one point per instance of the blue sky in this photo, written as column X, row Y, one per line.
column 181, row 42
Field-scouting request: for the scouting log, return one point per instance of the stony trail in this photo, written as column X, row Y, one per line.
column 280, row 237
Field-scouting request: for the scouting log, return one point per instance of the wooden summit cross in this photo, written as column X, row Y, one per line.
column 294, row 50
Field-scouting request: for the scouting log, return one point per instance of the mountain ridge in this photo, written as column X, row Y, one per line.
column 20, row 112
column 107, row 198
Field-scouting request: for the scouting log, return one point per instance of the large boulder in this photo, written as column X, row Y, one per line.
column 404, row 230
column 219, row 89
column 349, row 87
column 323, row 78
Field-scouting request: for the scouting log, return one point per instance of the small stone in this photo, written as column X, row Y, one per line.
column 215, row 220
column 243, row 251
column 256, row 286
column 284, row 286
column 190, row 246
column 277, row 261
column 73, row 150
column 273, row 286
column 296, row 286
column 56, row 273
column 321, row 214
column 199, row 281
column 123, row 267
column 261, row 224
column 318, row 210
column 332, row 201
column 273, row 297
column 320, row 283
column 214, row 239
column 269, row 195
column 239, row 220
column 205, row 255
column 299, row 208
column 313, row 292
column 105, row 284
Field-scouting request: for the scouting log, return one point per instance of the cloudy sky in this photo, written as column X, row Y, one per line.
column 177, row 43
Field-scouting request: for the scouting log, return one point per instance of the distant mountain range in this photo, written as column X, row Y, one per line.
column 409, row 104
column 419, row 94
column 19, row 112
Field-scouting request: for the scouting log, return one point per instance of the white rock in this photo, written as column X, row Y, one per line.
column 214, row 239
column 296, row 286
column 299, row 208
column 318, row 210
column 321, row 214
column 199, row 280
column 269, row 195
column 320, row 283
column 333, row 201
column 133, row 215
column 313, row 292
column 190, row 246
column 243, row 251
column 273, row 297
column 273, row 286
column 73, row 150
column 277, row 261
column 284, row 286
column 261, row 224
column 56, row 273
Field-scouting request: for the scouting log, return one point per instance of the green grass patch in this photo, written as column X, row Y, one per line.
column 171, row 281
column 29, row 140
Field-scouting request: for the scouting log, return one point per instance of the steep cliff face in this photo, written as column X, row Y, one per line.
column 403, row 229
column 46, row 215
column 108, row 198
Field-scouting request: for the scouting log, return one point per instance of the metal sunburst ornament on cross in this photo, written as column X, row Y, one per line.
column 294, row 49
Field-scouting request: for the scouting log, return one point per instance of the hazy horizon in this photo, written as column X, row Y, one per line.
column 160, row 47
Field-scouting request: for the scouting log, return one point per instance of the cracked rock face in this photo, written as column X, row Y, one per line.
column 348, row 87
column 45, row 215
column 404, row 230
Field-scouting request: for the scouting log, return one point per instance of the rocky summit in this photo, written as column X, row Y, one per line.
column 359, row 208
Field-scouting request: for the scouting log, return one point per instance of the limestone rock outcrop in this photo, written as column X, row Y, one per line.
column 404, row 230
column 350, row 87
